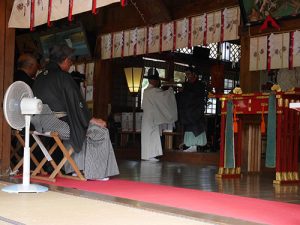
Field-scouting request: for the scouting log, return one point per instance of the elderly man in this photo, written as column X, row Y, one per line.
column 159, row 107
column 88, row 136
column 27, row 67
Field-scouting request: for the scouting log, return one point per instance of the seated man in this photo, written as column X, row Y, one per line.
column 88, row 136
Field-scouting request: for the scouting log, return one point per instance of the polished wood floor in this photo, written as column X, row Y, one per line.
column 199, row 176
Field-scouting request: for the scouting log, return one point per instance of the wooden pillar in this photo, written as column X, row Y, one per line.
column 7, row 47
column 102, row 88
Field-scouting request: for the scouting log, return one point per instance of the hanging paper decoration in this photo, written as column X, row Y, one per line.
column 101, row 3
column 60, row 9
column 45, row 11
column 218, row 26
column 182, row 31
column 213, row 27
column 154, row 39
column 106, row 46
column 279, row 50
column 133, row 42
column 296, row 49
column 118, row 44
column 167, row 36
column 126, row 51
column 21, row 11
column 141, row 41
column 258, row 53
column 231, row 23
column 83, row 6
column 89, row 73
column 198, row 29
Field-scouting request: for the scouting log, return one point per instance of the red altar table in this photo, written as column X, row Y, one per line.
column 287, row 133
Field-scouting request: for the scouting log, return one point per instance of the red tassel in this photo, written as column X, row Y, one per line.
column 123, row 3
column 174, row 35
column 49, row 13
column 94, row 7
column 32, row 15
column 70, row 10
column 190, row 33
column 235, row 124
column 263, row 124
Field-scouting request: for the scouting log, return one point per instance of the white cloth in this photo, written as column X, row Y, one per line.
column 159, row 107
column 288, row 79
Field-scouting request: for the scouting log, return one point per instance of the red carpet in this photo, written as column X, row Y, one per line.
column 250, row 209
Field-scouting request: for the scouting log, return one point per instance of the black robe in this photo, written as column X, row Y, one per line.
column 191, row 106
column 20, row 75
column 58, row 89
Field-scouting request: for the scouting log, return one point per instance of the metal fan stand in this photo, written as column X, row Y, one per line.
column 25, row 187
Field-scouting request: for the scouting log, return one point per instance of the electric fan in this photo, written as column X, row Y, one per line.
column 18, row 107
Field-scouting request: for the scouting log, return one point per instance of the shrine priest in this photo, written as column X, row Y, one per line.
column 159, row 107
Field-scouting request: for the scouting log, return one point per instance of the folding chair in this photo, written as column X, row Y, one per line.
column 57, row 167
column 19, row 147
column 48, row 125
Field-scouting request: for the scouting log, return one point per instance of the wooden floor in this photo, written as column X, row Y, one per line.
column 199, row 176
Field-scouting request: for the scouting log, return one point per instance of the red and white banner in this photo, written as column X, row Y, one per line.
column 182, row 33
column 258, row 53
column 167, row 36
column 22, row 11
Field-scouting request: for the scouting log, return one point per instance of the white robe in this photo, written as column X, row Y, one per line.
column 159, row 107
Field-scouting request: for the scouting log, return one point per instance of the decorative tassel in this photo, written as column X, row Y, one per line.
column 94, row 7
column 263, row 124
column 32, row 15
column 49, row 13
column 123, row 3
column 70, row 10
column 235, row 124
column 269, row 19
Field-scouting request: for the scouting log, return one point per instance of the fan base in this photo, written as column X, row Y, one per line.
column 21, row 188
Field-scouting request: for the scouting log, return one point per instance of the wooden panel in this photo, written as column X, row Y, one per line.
column 7, row 47
column 102, row 88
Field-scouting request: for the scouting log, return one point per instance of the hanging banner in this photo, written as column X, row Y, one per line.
column 60, row 9
column 198, row 30
column 21, row 11
column 258, row 53
column 20, row 14
column 126, row 43
column 231, row 23
column 141, row 41
column 106, row 46
column 296, row 49
column 279, row 50
column 213, row 27
column 182, row 31
column 167, row 36
column 80, row 6
column 154, row 38
column 118, row 44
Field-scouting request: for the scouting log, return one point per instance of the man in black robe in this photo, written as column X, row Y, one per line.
column 27, row 67
column 191, row 106
column 56, row 88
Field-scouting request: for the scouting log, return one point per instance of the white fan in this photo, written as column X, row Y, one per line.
column 18, row 107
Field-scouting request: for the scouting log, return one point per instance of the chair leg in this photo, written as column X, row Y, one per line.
column 67, row 157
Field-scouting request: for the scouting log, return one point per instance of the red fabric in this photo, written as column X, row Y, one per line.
column 291, row 50
column 49, row 13
column 268, row 20
column 190, row 33
column 70, row 10
column 32, row 15
column 94, row 7
column 250, row 209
